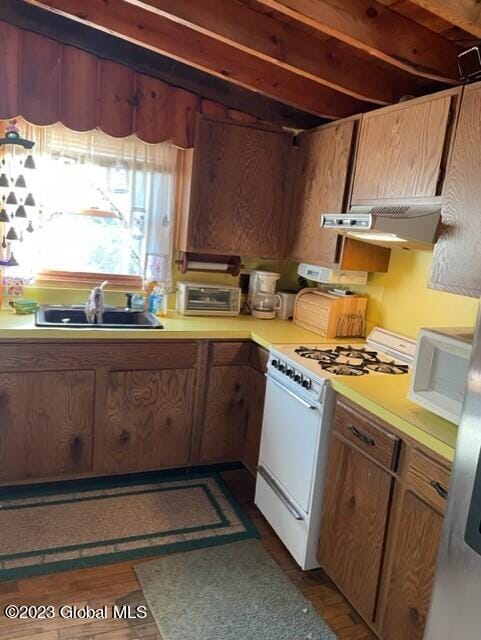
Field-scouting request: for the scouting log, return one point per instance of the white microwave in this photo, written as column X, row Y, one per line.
column 195, row 299
column 440, row 371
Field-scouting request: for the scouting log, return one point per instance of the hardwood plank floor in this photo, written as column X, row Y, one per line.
column 117, row 584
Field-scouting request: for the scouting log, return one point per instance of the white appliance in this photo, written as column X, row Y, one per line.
column 412, row 225
column 331, row 276
column 286, row 305
column 263, row 300
column 195, row 299
column 440, row 370
column 296, row 428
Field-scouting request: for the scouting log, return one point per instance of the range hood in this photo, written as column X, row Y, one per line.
column 411, row 225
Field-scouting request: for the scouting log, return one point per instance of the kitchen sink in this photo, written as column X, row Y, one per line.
column 113, row 318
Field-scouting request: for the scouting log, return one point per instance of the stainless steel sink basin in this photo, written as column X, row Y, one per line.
column 113, row 318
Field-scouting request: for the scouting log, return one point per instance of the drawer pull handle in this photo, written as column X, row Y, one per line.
column 440, row 490
column 362, row 436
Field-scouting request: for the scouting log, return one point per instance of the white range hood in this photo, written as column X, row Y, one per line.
column 410, row 225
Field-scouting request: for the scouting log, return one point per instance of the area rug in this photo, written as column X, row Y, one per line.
column 50, row 530
column 234, row 592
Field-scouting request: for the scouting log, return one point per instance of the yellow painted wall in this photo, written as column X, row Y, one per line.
column 401, row 301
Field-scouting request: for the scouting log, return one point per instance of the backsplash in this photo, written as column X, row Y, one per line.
column 400, row 300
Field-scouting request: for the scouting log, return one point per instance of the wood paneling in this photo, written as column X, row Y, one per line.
column 257, row 392
column 456, row 263
column 225, row 413
column 364, row 434
column 230, row 352
column 148, row 420
column 46, row 423
column 116, row 99
column 78, row 89
column 355, row 514
column 213, row 109
column 378, row 31
column 153, row 109
column 9, row 62
column 362, row 256
column 463, row 13
column 39, row 79
column 429, row 480
column 183, row 108
column 412, row 574
column 320, row 185
column 237, row 196
column 400, row 150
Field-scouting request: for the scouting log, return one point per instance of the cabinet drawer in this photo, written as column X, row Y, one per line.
column 259, row 358
column 365, row 435
column 229, row 352
column 429, row 480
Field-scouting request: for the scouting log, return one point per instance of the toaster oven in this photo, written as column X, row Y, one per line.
column 196, row 299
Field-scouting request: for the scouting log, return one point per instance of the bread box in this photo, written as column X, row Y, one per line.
column 330, row 315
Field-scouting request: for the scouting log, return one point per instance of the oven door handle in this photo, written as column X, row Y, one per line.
column 279, row 493
column 308, row 405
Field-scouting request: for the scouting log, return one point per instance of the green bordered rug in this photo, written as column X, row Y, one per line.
column 47, row 529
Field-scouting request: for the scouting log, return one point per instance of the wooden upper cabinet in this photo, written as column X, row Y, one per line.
column 321, row 184
column 456, row 263
column 236, row 199
column 321, row 178
column 402, row 149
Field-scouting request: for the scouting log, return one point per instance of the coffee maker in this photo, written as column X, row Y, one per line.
column 262, row 299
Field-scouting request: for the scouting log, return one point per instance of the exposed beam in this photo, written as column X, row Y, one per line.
column 102, row 45
column 287, row 46
column 463, row 13
column 380, row 31
column 181, row 43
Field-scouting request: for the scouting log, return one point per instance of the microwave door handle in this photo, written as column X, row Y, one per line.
column 279, row 493
column 308, row 405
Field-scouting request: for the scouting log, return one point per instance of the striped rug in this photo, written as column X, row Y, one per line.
column 44, row 529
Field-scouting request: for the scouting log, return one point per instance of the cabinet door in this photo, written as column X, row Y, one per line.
column 321, row 177
column 355, row 514
column 257, row 394
column 413, row 570
column 225, row 413
column 46, row 424
column 148, row 420
column 238, row 183
column 401, row 149
column 456, row 263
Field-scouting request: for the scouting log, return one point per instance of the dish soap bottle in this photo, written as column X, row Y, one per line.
column 158, row 301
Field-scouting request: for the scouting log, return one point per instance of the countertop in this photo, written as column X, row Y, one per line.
column 384, row 396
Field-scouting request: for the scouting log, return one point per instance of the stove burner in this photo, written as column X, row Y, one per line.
column 388, row 367
column 359, row 353
column 316, row 354
column 345, row 370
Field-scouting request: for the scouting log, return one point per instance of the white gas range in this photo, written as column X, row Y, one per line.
column 296, row 427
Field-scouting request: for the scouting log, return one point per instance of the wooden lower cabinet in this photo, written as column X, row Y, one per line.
column 46, row 423
column 382, row 523
column 148, row 422
column 412, row 571
column 257, row 393
column 355, row 513
column 225, row 414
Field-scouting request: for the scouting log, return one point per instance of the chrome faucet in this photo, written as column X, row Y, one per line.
column 94, row 308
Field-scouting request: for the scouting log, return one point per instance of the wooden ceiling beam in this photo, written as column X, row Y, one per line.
column 181, row 43
column 287, row 46
column 379, row 31
column 462, row 13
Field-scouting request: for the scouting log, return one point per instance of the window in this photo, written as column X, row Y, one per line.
column 104, row 208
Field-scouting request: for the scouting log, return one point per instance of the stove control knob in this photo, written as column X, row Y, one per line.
column 290, row 372
column 297, row 377
column 306, row 383
column 275, row 363
column 282, row 367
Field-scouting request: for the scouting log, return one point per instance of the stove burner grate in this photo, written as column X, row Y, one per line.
column 388, row 367
column 345, row 370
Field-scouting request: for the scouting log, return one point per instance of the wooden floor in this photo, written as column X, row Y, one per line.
column 117, row 584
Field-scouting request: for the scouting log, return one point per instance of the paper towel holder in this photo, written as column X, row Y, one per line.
column 209, row 263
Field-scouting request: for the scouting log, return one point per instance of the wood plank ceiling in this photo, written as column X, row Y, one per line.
column 331, row 58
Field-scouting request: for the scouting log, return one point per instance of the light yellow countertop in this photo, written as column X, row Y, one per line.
column 384, row 396
column 176, row 326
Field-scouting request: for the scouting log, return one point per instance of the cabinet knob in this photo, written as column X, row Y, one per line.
column 124, row 436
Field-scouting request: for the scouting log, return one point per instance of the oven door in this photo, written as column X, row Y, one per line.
column 289, row 443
